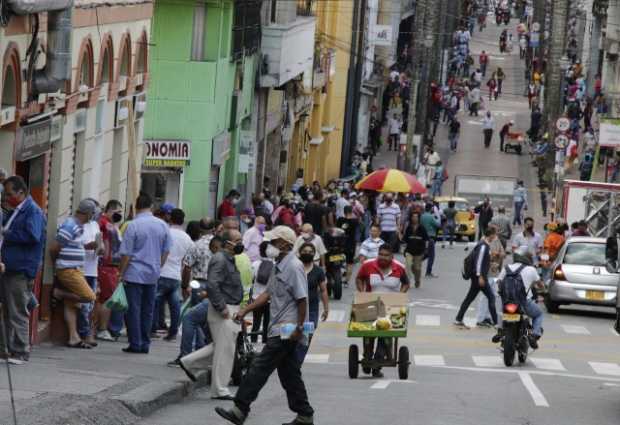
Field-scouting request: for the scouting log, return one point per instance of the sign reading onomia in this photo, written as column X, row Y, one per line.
column 167, row 153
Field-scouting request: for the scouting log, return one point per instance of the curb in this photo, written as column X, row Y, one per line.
column 150, row 397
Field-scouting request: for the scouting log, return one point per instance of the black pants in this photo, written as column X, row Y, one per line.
column 281, row 355
column 501, row 141
column 261, row 313
column 471, row 296
column 488, row 135
column 382, row 351
column 391, row 238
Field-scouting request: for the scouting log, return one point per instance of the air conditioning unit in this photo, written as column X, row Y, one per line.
column 139, row 79
column 139, row 105
column 81, row 118
column 7, row 115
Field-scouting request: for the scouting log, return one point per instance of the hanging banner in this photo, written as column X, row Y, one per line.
column 609, row 132
column 381, row 35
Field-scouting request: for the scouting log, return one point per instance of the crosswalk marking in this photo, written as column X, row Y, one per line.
column 575, row 329
column 547, row 364
column 428, row 360
column 601, row 368
column 316, row 358
column 488, row 361
column 336, row 316
column 427, row 320
column 380, row 385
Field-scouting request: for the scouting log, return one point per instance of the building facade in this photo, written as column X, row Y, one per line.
column 203, row 63
column 75, row 140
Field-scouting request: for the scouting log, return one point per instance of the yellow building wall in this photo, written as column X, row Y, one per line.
column 334, row 20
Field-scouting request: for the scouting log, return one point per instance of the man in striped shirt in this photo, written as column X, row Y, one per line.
column 369, row 249
column 68, row 252
column 388, row 215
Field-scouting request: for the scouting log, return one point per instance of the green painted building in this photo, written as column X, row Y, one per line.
column 202, row 71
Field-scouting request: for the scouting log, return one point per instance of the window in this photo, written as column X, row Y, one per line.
column 585, row 254
column 246, row 28
column 105, row 67
column 198, row 32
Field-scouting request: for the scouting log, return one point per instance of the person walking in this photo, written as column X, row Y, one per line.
column 287, row 292
column 449, row 226
column 488, row 125
column 503, row 133
column 492, row 86
column 453, row 133
column 498, row 253
column 416, row 240
column 144, row 250
column 22, row 236
column 253, row 237
column 437, row 179
column 369, row 249
column 484, row 62
column 485, row 215
column 499, row 74
column 479, row 278
column 474, row 101
column 388, row 216
column 395, row 127
column 519, row 200
column 169, row 283
column 502, row 223
column 431, row 224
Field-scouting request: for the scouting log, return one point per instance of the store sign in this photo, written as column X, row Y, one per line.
column 33, row 140
column 609, row 133
column 167, row 153
column 381, row 35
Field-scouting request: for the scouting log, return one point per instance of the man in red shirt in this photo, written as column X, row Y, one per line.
column 228, row 206
column 484, row 61
column 383, row 274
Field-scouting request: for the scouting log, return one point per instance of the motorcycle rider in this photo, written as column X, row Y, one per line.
column 522, row 259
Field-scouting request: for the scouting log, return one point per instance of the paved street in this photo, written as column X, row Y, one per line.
column 457, row 376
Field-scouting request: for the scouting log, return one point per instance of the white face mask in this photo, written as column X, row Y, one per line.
column 272, row 252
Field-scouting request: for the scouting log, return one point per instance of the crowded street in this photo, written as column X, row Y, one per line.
column 307, row 212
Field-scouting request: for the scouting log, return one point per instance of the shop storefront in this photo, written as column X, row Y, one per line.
column 162, row 171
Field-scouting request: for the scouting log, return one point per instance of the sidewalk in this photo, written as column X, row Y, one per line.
column 101, row 386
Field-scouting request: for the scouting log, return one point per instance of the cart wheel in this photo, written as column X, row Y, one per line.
column 403, row 363
column 354, row 359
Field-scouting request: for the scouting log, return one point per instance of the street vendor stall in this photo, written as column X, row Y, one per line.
column 391, row 180
column 379, row 315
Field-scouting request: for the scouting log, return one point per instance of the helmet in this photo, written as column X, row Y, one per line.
column 522, row 255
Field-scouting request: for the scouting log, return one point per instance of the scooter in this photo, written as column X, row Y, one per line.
column 335, row 260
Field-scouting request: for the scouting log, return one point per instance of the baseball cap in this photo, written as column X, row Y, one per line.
column 86, row 206
column 281, row 232
column 166, row 208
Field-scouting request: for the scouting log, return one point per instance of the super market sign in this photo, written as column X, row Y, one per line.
column 167, row 153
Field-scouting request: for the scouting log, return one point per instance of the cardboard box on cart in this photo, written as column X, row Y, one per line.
column 393, row 301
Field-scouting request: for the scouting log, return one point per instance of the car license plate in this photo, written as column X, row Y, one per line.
column 595, row 295
column 511, row 317
column 336, row 258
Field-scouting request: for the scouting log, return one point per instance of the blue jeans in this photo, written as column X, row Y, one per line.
column 195, row 329
column 517, row 217
column 115, row 325
column 532, row 310
column 139, row 316
column 430, row 251
column 83, row 320
column 168, row 291
column 436, row 187
column 454, row 138
column 448, row 231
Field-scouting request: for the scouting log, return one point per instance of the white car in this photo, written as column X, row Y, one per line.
column 579, row 275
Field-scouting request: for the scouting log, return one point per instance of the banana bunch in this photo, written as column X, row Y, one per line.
column 359, row 326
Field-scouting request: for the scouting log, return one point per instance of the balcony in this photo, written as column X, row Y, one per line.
column 406, row 8
column 288, row 50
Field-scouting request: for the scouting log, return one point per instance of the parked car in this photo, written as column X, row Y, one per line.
column 579, row 275
column 465, row 218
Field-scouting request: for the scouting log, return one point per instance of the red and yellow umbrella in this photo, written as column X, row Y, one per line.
column 390, row 180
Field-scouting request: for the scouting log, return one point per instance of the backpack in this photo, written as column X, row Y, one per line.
column 512, row 289
column 468, row 263
column 264, row 272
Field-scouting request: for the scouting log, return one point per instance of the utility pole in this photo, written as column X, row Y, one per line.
column 418, row 31
column 553, row 83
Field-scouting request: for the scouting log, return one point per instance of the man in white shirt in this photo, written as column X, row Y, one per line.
column 308, row 236
column 395, row 127
column 341, row 202
column 474, row 101
column 488, row 125
column 170, row 277
column 93, row 248
column 528, row 237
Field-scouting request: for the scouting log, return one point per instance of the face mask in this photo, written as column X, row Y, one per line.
column 306, row 235
column 247, row 221
column 235, row 201
column 272, row 252
column 262, row 227
column 117, row 217
column 238, row 248
column 306, row 258
column 388, row 201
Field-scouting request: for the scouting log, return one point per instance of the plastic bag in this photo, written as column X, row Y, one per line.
column 118, row 301
column 187, row 305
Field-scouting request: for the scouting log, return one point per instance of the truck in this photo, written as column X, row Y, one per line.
column 476, row 188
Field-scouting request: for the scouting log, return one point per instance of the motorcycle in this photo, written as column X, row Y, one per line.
column 516, row 331
column 335, row 261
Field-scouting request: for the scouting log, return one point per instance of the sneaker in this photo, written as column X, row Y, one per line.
column 105, row 336
column 497, row 337
column 533, row 340
column 174, row 363
column 16, row 361
column 376, row 373
column 460, row 324
column 483, row 324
